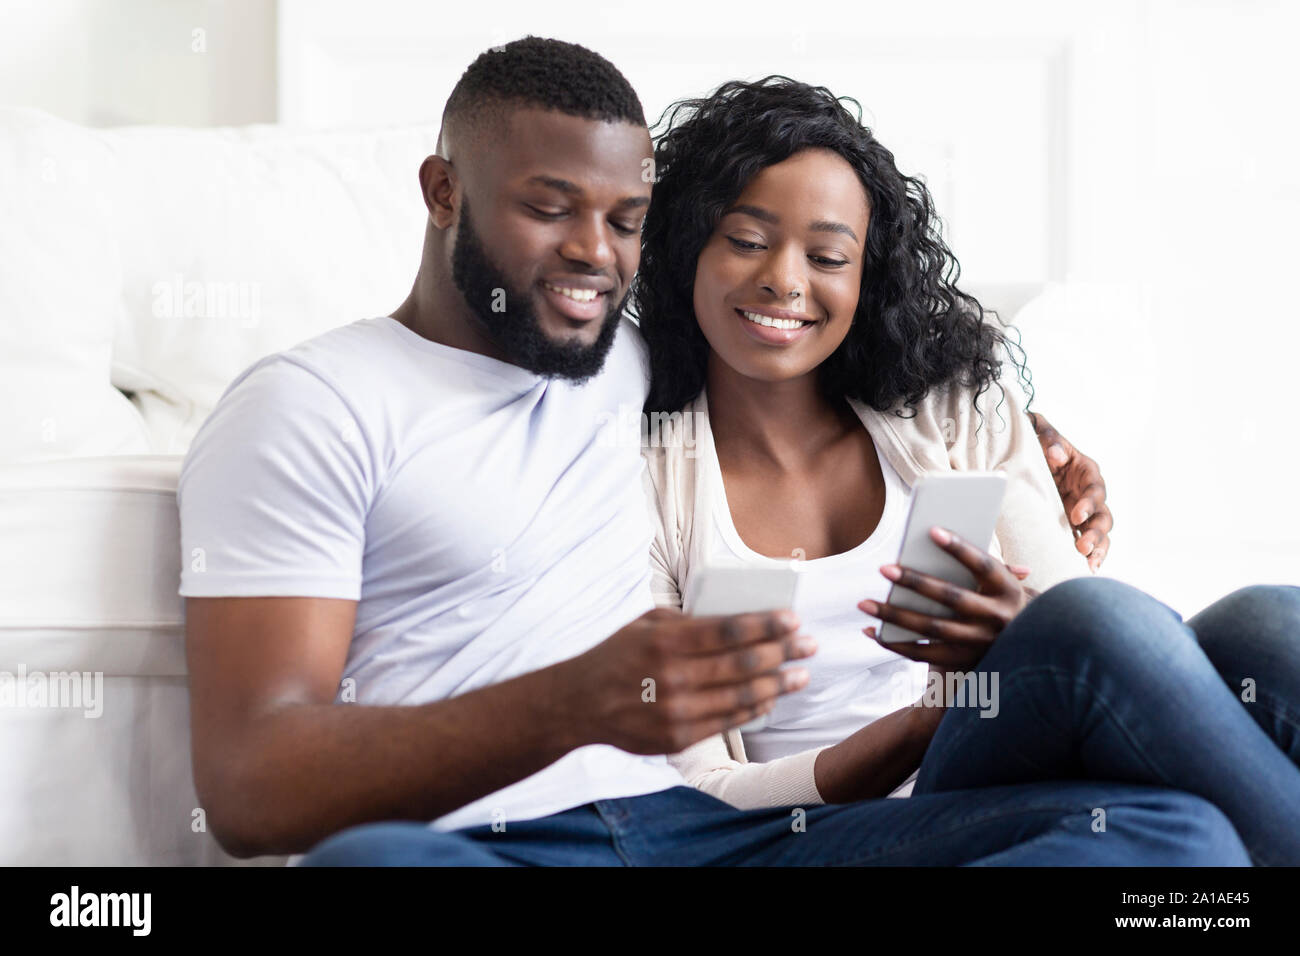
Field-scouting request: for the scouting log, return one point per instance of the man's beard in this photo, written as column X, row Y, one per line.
column 516, row 329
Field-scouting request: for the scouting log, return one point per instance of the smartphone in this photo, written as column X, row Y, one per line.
column 740, row 589
column 967, row 503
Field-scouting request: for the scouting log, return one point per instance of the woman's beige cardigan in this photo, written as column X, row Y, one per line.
column 946, row 434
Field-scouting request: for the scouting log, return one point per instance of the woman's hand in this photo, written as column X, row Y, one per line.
column 960, row 641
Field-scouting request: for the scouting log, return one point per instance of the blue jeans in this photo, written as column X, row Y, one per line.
column 1096, row 681
column 1103, row 682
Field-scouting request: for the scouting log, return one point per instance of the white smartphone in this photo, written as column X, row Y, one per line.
column 738, row 589
column 968, row 504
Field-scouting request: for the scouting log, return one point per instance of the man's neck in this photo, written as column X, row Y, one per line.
column 436, row 310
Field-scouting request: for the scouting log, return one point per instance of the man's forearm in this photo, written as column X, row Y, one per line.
column 876, row 759
column 303, row 771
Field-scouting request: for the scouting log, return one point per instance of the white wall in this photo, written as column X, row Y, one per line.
column 119, row 62
column 1127, row 165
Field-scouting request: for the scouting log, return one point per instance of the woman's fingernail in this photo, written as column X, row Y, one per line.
column 871, row 607
column 795, row 678
column 1084, row 515
column 941, row 535
column 891, row 571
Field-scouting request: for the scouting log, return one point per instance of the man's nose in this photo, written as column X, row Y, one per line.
column 588, row 242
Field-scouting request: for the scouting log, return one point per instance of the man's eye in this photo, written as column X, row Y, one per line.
column 743, row 243
column 546, row 213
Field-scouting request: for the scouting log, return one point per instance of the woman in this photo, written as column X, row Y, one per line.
column 800, row 311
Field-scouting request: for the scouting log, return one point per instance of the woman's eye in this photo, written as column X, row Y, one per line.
column 626, row 228
column 743, row 243
column 825, row 261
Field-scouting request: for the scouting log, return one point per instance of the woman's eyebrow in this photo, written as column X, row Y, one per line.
column 827, row 225
column 817, row 225
column 757, row 212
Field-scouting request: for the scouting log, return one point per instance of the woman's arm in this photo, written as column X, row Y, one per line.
column 664, row 586
column 873, row 761
column 870, row 763
column 996, row 434
column 785, row 782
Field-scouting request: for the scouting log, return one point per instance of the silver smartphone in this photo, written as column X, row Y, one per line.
column 739, row 589
column 967, row 503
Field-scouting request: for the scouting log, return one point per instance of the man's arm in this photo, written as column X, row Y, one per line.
column 1082, row 490
column 278, row 766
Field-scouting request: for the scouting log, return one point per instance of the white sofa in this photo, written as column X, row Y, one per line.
column 141, row 269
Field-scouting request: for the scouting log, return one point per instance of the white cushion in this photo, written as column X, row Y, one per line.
column 60, row 295
column 162, row 262
column 91, row 564
column 236, row 243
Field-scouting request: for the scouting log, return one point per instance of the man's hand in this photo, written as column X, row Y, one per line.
column 1082, row 490
column 709, row 674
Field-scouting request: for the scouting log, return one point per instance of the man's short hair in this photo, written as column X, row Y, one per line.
column 542, row 73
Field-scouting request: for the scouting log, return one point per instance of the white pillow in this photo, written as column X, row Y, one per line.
column 237, row 243
column 60, row 279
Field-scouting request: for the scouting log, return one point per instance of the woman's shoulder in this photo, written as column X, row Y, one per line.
column 671, row 442
column 956, row 415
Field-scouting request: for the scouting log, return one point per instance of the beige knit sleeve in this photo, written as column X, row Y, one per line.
column 785, row 782
column 1032, row 528
column 665, row 544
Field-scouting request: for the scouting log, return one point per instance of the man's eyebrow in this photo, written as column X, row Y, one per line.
column 573, row 189
column 562, row 185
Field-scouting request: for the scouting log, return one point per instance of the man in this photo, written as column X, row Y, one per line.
column 424, row 594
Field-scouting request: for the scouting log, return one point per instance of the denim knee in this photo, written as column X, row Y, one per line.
column 1192, row 831
column 1269, row 603
column 1101, row 617
column 1258, row 625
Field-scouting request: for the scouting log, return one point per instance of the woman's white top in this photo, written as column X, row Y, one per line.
column 854, row 680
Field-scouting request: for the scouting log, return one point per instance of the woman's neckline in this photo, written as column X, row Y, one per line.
column 727, row 525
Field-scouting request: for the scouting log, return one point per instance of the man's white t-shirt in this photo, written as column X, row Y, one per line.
column 488, row 521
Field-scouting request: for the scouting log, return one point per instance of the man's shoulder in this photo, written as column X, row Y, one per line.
column 290, row 392
column 630, row 354
column 326, row 357
column 342, row 353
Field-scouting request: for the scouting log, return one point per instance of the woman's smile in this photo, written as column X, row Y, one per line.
column 775, row 326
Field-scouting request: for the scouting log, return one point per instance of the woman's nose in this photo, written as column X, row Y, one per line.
column 782, row 275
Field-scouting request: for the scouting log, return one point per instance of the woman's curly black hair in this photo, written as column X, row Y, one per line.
column 913, row 330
